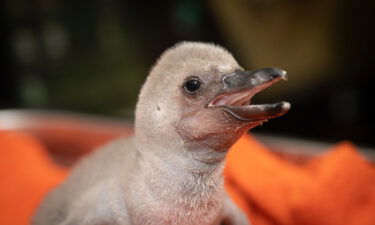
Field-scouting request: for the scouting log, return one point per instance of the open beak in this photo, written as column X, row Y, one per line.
column 241, row 86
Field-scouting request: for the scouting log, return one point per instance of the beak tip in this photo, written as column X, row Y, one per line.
column 283, row 74
column 278, row 73
column 285, row 106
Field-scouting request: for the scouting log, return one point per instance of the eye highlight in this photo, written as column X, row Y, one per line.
column 192, row 85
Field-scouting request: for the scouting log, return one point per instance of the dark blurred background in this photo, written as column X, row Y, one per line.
column 92, row 56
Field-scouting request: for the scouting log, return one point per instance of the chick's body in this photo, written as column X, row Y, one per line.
column 108, row 195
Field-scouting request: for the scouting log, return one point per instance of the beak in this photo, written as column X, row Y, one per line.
column 241, row 86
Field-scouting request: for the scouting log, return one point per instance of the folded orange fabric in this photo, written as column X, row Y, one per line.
column 337, row 188
column 26, row 174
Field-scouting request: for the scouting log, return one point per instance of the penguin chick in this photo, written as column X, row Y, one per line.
column 193, row 106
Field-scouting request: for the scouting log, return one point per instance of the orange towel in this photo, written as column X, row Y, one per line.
column 337, row 188
column 26, row 174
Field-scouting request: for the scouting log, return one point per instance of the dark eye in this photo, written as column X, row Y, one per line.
column 192, row 85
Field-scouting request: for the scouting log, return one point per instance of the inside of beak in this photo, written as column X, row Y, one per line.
column 240, row 87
